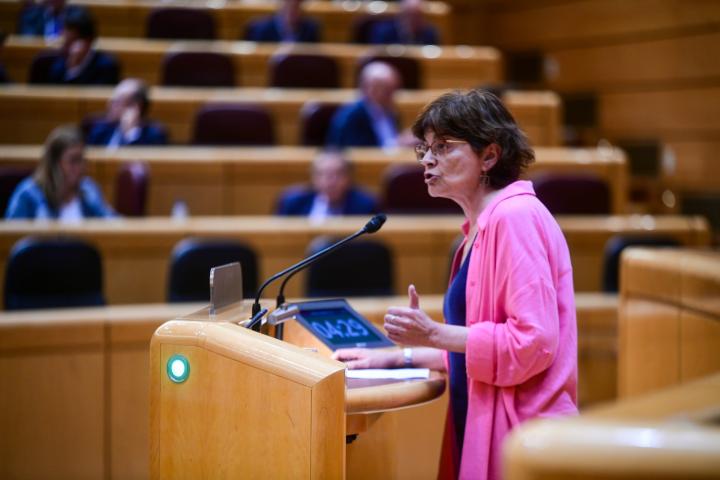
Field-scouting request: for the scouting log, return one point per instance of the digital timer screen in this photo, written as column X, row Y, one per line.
column 339, row 326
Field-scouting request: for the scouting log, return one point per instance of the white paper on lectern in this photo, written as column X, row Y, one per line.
column 395, row 373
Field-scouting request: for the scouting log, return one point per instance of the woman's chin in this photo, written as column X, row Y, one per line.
column 435, row 191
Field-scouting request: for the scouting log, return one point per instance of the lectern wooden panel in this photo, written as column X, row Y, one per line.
column 274, row 411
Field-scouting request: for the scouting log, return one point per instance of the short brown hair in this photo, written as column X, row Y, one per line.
column 479, row 118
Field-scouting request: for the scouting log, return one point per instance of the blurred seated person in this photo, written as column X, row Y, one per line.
column 332, row 191
column 408, row 27
column 59, row 189
column 80, row 63
column 370, row 121
column 287, row 25
column 44, row 18
column 126, row 122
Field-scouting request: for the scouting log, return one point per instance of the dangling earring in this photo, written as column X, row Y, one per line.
column 484, row 179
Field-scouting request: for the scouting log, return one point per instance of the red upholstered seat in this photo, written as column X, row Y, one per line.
column 304, row 71
column 232, row 124
column 198, row 69
column 131, row 187
column 184, row 23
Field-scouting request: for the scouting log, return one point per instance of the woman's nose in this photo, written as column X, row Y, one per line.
column 428, row 159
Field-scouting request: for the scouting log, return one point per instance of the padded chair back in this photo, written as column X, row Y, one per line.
column 184, row 23
column 315, row 118
column 53, row 273
column 9, row 179
column 360, row 268
column 233, row 125
column 198, row 69
column 192, row 259
column 363, row 25
column 573, row 194
column 40, row 66
column 288, row 70
column 614, row 248
column 408, row 68
column 404, row 192
column 131, row 188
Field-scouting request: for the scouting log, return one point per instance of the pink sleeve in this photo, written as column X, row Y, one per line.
column 510, row 352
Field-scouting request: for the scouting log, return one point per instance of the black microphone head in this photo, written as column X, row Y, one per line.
column 375, row 223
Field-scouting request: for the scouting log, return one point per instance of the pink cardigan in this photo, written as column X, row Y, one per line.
column 521, row 353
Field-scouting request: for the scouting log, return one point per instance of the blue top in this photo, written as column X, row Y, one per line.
column 103, row 133
column 353, row 126
column 28, row 201
column 454, row 311
column 299, row 201
column 271, row 29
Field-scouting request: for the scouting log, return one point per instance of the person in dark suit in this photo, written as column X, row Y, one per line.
column 42, row 19
column 370, row 121
column 126, row 122
column 331, row 193
column 287, row 25
column 409, row 27
column 80, row 63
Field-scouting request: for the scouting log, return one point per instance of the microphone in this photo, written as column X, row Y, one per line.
column 372, row 226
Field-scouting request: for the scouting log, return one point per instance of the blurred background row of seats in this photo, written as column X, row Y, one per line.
column 332, row 21
column 67, row 272
column 402, row 191
column 213, row 69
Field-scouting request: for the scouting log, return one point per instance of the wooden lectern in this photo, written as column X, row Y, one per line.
column 252, row 406
column 227, row 402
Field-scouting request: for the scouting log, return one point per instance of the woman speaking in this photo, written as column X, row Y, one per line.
column 509, row 341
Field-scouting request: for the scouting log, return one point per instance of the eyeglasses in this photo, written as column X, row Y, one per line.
column 439, row 149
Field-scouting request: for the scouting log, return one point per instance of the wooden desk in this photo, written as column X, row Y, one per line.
column 440, row 67
column 29, row 113
column 669, row 318
column 93, row 363
column 248, row 181
column 128, row 18
column 420, row 245
column 671, row 434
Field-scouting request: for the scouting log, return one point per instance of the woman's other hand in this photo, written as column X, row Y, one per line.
column 358, row 358
column 410, row 325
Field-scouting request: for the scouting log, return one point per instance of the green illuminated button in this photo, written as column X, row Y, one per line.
column 178, row 368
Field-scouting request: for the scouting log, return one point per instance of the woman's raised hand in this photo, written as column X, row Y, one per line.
column 410, row 325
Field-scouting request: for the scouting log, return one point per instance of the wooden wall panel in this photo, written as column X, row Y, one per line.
column 689, row 165
column 687, row 114
column 547, row 24
column 668, row 62
column 53, row 410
